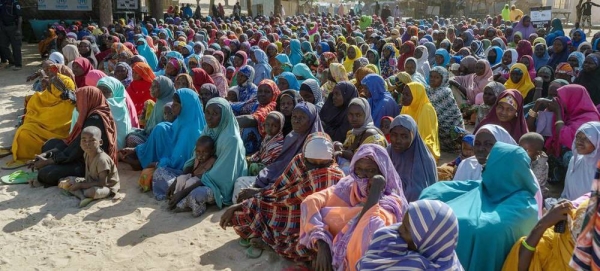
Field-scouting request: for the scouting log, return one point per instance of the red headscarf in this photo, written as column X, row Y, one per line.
column 260, row 115
column 403, row 57
column 517, row 127
column 90, row 101
column 86, row 66
column 200, row 77
column 524, row 48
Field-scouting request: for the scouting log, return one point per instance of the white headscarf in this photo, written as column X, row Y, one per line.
column 582, row 167
column 57, row 58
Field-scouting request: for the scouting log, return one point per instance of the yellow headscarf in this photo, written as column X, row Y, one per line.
column 279, row 46
column 422, row 111
column 338, row 72
column 349, row 63
column 523, row 86
column 539, row 40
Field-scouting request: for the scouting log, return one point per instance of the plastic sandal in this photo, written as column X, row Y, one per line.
column 85, row 202
column 244, row 242
column 14, row 165
column 253, row 253
column 18, row 177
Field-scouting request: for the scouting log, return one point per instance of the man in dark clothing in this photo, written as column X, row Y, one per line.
column 377, row 8
column 385, row 13
column 586, row 14
column 10, row 33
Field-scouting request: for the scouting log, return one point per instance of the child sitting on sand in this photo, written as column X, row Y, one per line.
column 446, row 171
column 184, row 184
column 533, row 143
column 271, row 145
column 101, row 175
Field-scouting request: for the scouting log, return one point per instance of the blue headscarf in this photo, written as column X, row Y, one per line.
column 165, row 95
column 262, row 69
column 302, row 70
column 501, row 205
column 583, row 38
column 580, row 58
column 231, row 160
column 499, row 54
column 285, row 62
column 295, row 52
column 434, row 229
column 540, row 61
column 291, row 79
column 416, row 166
column 172, row 144
column 118, row 108
column 145, row 51
column 446, row 56
column 561, row 57
column 382, row 103
column 324, row 47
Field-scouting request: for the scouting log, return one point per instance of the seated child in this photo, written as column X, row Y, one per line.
column 446, row 171
column 101, row 175
column 271, row 145
column 184, row 184
column 533, row 143
column 385, row 127
column 232, row 95
column 168, row 112
column 229, row 73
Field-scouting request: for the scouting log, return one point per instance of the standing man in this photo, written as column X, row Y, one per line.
column 586, row 14
column 377, row 8
column 10, row 33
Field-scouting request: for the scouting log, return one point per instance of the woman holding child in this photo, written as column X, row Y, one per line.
column 216, row 184
column 169, row 145
column 259, row 218
column 64, row 158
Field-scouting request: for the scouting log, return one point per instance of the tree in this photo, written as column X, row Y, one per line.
column 277, row 8
column 106, row 12
column 210, row 9
column 157, row 9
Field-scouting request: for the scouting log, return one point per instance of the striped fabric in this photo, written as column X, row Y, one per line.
column 274, row 214
column 586, row 255
column 434, row 230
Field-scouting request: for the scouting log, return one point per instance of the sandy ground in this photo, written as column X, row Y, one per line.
column 45, row 230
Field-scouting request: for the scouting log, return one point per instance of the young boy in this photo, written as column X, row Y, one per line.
column 447, row 171
column 101, row 175
column 385, row 126
column 232, row 95
column 184, row 184
column 533, row 143
column 271, row 144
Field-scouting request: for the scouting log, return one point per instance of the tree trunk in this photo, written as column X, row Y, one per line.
column 157, row 9
column 249, row 6
column 277, row 8
column 210, row 9
column 106, row 12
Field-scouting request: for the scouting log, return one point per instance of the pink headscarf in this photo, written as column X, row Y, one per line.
column 474, row 83
column 92, row 78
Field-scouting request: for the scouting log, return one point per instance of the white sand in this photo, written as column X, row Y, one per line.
column 45, row 230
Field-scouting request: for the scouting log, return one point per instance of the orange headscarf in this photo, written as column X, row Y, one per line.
column 144, row 71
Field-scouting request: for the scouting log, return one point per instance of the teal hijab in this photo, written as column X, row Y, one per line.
column 501, row 205
column 167, row 89
column 231, row 160
column 118, row 108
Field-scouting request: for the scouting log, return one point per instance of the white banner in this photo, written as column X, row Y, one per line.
column 76, row 5
column 541, row 15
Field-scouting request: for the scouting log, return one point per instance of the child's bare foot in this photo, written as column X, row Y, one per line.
column 33, row 183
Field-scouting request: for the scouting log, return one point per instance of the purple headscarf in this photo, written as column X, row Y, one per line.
column 292, row 145
column 525, row 31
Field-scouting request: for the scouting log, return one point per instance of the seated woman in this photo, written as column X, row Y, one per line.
column 246, row 91
column 501, row 205
column 207, row 92
column 271, row 145
column 170, row 145
column 306, row 122
column 571, row 109
column 213, row 67
column 519, row 80
column 416, row 104
column 162, row 90
column 381, row 101
column 47, row 115
column 411, row 158
column 217, row 183
column 311, row 93
column 251, row 114
column 546, row 249
column 337, row 73
column 139, row 89
column 286, row 102
column 258, row 218
column 334, row 113
column 63, row 158
column 448, row 113
column 114, row 92
column 490, row 95
column 363, row 132
column 410, row 67
column 338, row 223
column 287, row 80
column 424, row 240
column 508, row 113
column 582, row 167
